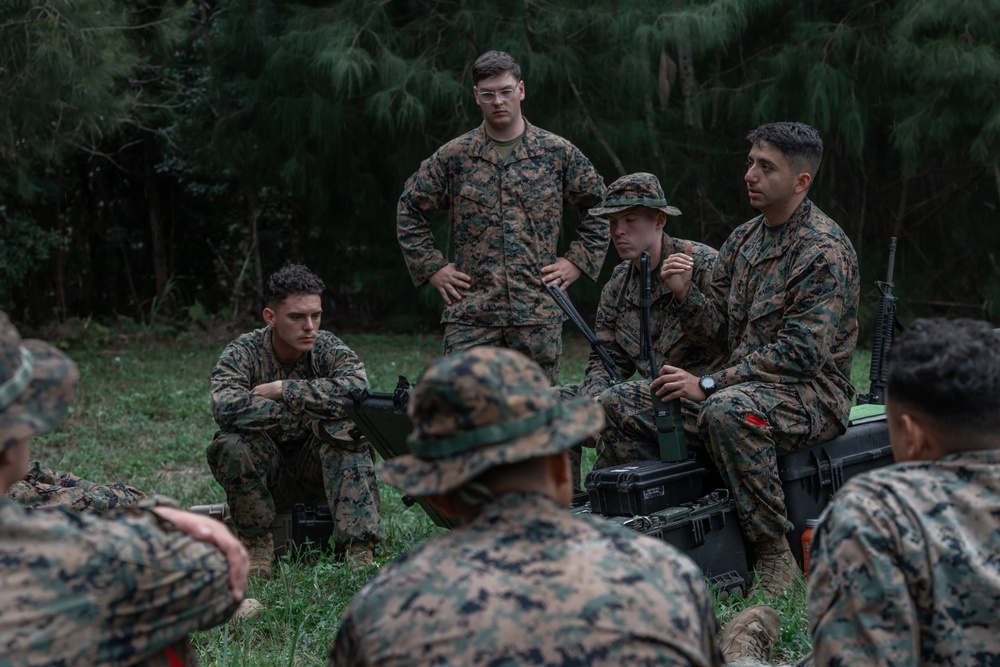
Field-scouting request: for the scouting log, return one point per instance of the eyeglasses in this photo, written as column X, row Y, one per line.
column 487, row 96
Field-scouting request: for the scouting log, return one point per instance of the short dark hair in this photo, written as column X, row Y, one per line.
column 799, row 143
column 291, row 280
column 494, row 63
column 949, row 371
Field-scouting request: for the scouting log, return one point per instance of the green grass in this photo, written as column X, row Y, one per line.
column 142, row 416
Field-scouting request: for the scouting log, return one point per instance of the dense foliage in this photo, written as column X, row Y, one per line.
column 161, row 157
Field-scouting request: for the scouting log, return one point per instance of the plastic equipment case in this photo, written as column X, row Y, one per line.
column 810, row 477
column 381, row 418
column 305, row 522
column 643, row 487
column 709, row 532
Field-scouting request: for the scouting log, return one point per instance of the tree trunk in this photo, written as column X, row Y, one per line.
column 158, row 244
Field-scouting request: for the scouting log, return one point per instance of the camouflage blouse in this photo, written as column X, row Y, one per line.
column 527, row 583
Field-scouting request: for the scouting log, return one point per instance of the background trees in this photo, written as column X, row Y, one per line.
column 162, row 157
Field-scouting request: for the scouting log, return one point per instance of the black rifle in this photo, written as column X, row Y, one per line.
column 884, row 335
column 669, row 423
column 571, row 312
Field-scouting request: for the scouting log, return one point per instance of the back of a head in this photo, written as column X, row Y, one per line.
column 495, row 63
column 291, row 280
column 799, row 143
column 949, row 371
column 480, row 409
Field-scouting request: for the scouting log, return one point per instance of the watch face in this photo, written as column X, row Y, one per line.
column 707, row 384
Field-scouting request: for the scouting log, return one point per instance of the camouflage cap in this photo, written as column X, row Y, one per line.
column 639, row 189
column 37, row 382
column 479, row 409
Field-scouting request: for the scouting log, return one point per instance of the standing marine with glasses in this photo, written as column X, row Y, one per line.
column 504, row 185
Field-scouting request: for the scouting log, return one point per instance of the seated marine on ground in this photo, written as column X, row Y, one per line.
column 278, row 396
column 77, row 589
column 784, row 292
column 521, row 581
column 636, row 210
column 44, row 487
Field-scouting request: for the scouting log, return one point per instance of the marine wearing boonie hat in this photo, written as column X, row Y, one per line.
column 639, row 189
column 37, row 382
column 479, row 409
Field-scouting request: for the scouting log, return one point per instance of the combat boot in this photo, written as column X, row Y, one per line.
column 776, row 568
column 261, row 552
column 752, row 633
column 359, row 554
column 248, row 610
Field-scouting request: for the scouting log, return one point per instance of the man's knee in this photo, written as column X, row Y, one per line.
column 232, row 451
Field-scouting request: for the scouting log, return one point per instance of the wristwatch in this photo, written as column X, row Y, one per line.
column 707, row 385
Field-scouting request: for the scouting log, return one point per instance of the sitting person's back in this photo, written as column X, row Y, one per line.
column 905, row 560
column 521, row 581
column 77, row 589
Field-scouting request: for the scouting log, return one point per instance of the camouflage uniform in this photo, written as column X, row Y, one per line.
column 527, row 583
column 790, row 313
column 524, row 582
column 506, row 219
column 904, row 567
column 77, row 589
column 631, row 435
column 269, row 454
column 122, row 592
column 44, row 487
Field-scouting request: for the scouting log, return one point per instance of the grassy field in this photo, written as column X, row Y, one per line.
column 142, row 416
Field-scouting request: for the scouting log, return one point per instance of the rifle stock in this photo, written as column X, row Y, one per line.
column 884, row 335
column 669, row 422
column 574, row 315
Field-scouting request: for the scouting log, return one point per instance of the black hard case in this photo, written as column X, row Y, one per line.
column 810, row 477
column 381, row 418
column 643, row 487
column 304, row 521
column 708, row 531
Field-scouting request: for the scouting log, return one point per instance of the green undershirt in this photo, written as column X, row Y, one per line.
column 505, row 148
column 770, row 233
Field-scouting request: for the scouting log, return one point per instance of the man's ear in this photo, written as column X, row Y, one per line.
column 558, row 465
column 920, row 443
column 269, row 316
column 802, row 182
column 661, row 220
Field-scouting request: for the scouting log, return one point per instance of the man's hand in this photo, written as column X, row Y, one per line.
column 676, row 272
column 207, row 529
column 561, row 274
column 673, row 382
column 271, row 390
column 448, row 280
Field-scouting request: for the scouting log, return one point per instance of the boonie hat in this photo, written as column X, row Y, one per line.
column 479, row 409
column 37, row 382
column 639, row 189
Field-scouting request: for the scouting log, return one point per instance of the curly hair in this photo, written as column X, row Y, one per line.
column 291, row 280
column 494, row 63
column 949, row 371
column 798, row 142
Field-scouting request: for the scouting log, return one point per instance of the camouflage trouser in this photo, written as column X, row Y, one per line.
column 541, row 342
column 44, row 487
column 632, row 435
column 744, row 429
column 261, row 477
